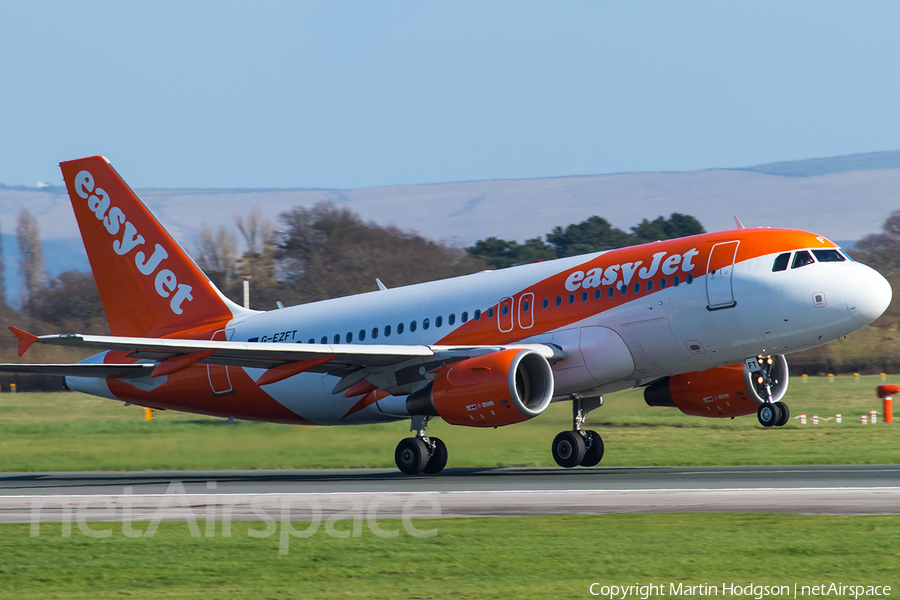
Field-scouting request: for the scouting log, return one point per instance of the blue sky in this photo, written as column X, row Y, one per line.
column 354, row 94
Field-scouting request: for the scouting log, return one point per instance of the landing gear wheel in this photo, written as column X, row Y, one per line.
column 411, row 455
column 594, row 451
column 785, row 414
column 568, row 449
column 438, row 459
column 768, row 414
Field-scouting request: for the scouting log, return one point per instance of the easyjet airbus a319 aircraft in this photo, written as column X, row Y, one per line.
column 702, row 323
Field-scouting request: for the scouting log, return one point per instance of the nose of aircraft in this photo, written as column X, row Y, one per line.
column 867, row 293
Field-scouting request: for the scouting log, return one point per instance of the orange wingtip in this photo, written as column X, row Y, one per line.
column 25, row 339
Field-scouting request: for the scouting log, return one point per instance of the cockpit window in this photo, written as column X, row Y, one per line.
column 830, row 255
column 781, row 262
column 801, row 259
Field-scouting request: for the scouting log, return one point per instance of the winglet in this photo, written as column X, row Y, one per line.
column 25, row 339
column 738, row 223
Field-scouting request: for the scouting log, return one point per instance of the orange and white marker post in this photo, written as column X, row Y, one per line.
column 886, row 393
column 837, row 417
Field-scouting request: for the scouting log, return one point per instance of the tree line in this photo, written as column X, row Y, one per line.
column 311, row 253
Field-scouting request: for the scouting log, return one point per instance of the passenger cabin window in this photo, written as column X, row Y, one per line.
column 374, row 333
column 545, row 303
column 477, row 314
column 559, row 300
column 362, row 335
column 491, row 313
column 584, row 296
column 830, row 255
column 426, row 323
column 324, row 339
column 349, row 337
column 465, row 316
column 399, row 328
column 801, row 259
column 439, row 321
column 312, row 341
column 598, row 293
column 337, row 338
column 451, row 320
column 412, row 326
column 781, row 262
column 610, row 292
column 387, row 331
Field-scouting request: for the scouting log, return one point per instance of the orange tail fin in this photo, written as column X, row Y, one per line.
column 148, row 284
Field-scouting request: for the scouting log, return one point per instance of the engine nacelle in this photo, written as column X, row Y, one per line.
column 730, row 391
column 495, row 389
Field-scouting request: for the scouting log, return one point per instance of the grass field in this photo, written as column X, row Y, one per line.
column 523, row 557
column 70, row 431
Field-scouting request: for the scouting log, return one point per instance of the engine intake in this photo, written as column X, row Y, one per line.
column 495, row 389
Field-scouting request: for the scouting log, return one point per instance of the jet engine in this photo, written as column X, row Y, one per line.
column 730, row 391
column 495, row 389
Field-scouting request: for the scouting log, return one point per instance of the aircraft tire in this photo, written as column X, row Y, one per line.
column 411, row 455
column 785, row 414
column 568, row 449
column 438, row 459
column 594, row 452
column 768, row 414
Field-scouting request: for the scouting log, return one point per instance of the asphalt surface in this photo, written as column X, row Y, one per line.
column 385, row 493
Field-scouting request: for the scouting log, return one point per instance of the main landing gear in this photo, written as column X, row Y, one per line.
column 421, row 454
column 770, row 413
column 579, row 447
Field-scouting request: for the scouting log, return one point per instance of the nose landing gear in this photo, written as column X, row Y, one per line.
column 421, row 454
column 762, row 373
column 579, row 447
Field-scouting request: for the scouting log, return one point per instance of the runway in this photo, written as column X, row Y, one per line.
column 385, row 493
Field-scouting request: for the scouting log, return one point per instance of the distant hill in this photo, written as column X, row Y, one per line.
column 843, row 198
column 811, row 167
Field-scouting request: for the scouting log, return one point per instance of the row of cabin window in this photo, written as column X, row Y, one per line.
column 413, row 325
column 623, row 290
column 504, row 310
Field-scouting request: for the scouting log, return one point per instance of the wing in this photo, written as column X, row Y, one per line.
column 390, row 367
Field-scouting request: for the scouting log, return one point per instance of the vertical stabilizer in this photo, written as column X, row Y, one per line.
column 149, row 286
